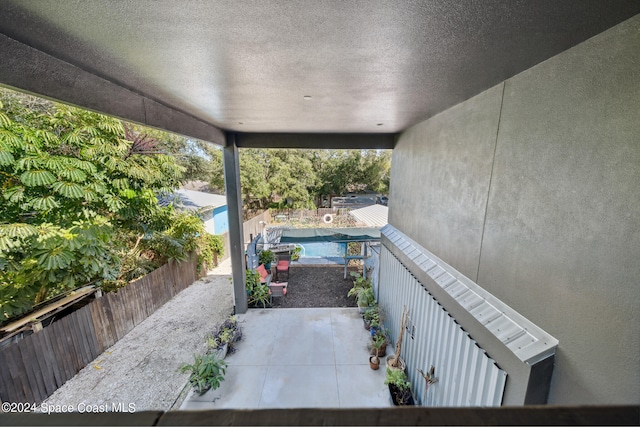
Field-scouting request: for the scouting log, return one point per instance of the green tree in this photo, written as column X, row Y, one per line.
column 292, row 177
column 297, row 178
column 79, row 201
column 216, row 174
column 344, row 171
column 254, row 177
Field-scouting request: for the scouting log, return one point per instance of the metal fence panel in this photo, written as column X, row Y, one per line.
column 467, row 376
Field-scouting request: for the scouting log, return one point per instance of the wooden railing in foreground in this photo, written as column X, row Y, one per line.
column 414, row 416
column 36, row 366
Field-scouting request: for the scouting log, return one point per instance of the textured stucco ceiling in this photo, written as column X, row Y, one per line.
column 369, row 66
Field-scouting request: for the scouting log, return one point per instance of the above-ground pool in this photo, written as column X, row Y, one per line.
column 321, row 253
column 322, row 249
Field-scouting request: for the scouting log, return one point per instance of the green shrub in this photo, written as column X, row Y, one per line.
column 253, row 279
column 207, row 372
column 397, row 378
column 266, row 257
column 210, row 249
column 259, row 296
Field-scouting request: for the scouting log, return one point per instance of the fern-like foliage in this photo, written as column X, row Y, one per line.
column 77, row 191
column 34, row 178
column 68, row 189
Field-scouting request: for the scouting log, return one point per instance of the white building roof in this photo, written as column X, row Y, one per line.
column 196, row 200
column 372, row 216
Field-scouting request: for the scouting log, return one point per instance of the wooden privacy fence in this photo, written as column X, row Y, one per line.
column 252, row 227
column 36, row 366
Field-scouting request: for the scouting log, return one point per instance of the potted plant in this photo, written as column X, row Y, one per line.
column 253, row 279
column 379, row 343
column 374, row 362
column 362, row 290
column 395, row 362
column 266, row 257
column 224, row 337
column 259, row 296
column 371, row 316
column 399, row 388
column 295, row 255
column 207, row 372
column 365, row 298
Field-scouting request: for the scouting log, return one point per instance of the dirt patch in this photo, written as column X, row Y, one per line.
column 317, row 286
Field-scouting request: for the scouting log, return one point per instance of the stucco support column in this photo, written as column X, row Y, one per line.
column 231, row 161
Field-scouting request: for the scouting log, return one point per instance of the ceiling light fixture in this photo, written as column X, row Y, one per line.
column 307, row 97
column 379, row 124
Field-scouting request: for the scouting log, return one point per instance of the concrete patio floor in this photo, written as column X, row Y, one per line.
column 298, row 358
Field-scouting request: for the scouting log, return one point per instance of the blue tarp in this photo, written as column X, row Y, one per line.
column 302, row 235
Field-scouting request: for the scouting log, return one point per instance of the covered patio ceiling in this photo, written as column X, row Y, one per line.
column 258, row 68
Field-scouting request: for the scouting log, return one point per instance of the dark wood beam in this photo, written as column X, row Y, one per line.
column 522, row 415
column 336, row 141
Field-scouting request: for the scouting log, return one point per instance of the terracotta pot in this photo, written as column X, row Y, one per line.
column 402, row 364
column 374, row 362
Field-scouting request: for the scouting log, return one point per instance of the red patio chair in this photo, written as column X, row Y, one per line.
column 265, row 276
column 283, row 266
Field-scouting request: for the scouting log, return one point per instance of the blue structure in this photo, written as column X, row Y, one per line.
column 220, row 220
column 211, row 208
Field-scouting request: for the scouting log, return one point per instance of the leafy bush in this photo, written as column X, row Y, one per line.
column 207, row 372
column 79, row 203
column 210, row 248
column 259, row 296
column 253, row 279
column 266, row 257
column 257, row 293
column 229, row 333
column 397, row 378
column 362, row 290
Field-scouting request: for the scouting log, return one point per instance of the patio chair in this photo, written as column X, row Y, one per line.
column 277, row 290
column 282, row 267
column 265, row 276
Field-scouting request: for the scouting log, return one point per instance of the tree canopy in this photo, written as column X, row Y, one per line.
column 79, row 201
column 302, row 178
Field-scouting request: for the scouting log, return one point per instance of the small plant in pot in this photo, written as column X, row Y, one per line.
column 362, row 290
column 399, row 387
column 266, row 257
column 371, row 316
column 379, row 343
column 257, row 293
column 364, row 297
column 253, row 279
column 374, row 362
column 224, row 337
column 259, row 296
column 207, row 372
column 395, row 362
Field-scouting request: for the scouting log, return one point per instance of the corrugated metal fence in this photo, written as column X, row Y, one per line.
column 33, row 368
column 466, row 375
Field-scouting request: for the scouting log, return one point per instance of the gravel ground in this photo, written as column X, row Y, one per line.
column 142, row 369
